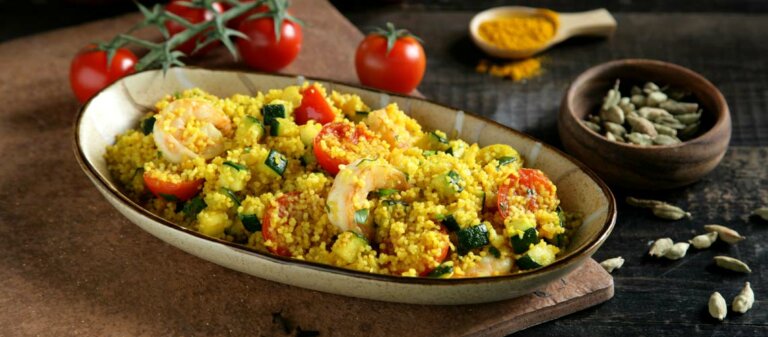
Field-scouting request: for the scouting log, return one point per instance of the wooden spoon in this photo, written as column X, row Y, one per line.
column 598, row 22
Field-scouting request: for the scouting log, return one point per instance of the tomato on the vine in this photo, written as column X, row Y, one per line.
column 265, row 48
column 391, row 59
column 89, row 73
column 192, row 15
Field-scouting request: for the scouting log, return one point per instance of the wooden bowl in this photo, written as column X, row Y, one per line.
column 636, row 167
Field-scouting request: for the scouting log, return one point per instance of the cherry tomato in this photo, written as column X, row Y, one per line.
column 262, row 51
column 313, row 106
column 182, row 191
column 89, row 73
column 399, row 69
column 441, row 254
column 193, row 15
column 528, row 182
column 340, row 131
column 269, row 229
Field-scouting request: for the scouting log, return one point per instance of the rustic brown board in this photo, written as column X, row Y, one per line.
column 71, row 265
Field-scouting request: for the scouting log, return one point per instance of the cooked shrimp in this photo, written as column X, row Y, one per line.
column 394, row 126
column 350, row 191
column 190, row 128
column 489, row 266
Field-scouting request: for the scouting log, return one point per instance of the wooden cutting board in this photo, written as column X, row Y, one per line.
column 71, row 265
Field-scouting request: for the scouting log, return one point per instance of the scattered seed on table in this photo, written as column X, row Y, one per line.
column 612, row 264
column 744, row 300
column 660, row 247
column 762, row 212
column 730, row 263
column 717, row 307
column 724, row 233
column 703, row 241
column 677, row 251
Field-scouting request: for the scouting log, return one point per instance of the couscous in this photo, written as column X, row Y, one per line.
column 320, row 176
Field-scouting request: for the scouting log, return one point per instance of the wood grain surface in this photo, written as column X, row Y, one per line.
column 71, row 265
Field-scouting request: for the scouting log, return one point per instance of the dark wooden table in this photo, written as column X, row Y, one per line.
column 652, row 297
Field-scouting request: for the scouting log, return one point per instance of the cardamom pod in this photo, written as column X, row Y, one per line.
column 717, row 306
column 626, row 105
column 592, row 126
column 689, row 119
column 615, row 129
column 703, row 241
column 665, row 130
column 636, row 91
column 724, row 233
column 650, row 88
column 640, row 139
column 612, row 264
column 689, row 131
column 744, row 300
column 730, row 263
column 654, row 99
column 594, row 119
column 654, row 113
column 612, row 98
column 677, row 93
column 610, row 137
column 677, row 251
column 670, row 212
column 660, row 247
column 678, row 108
column 642, row 125
column 762, row 212
column 644, row 203
column 670, row 122
column 613, row 114
column 637, row 99
column 661, row 139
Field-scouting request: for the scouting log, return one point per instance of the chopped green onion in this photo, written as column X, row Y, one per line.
column 247, row 149
column 193, row 207
column 428, row 153
column 251, row 222
column 236, row 166
column 231, row 195
column 148, row 125
column 441, row 271
column 440, row 139
column 505, row 160
column 384, row 192
column 361, row 216
column 276, row 161
column 253, row 119
column 453, row 179
column 390, row 202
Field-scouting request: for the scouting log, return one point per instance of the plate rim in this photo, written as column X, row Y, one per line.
column 590, row 246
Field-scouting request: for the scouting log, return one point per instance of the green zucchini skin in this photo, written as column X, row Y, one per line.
column 521, row 243
column 472, row 237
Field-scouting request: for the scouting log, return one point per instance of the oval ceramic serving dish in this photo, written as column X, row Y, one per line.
column 119, row 107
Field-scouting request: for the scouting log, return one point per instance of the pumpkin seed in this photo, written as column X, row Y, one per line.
column 717, row 307
column 730, row 263
column 724, row 233
column 744, row 300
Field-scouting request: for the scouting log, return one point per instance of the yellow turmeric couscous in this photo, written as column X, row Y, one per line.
column 318, row 176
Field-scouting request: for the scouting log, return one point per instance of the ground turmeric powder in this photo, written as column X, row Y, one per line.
column 515, row 70
column 520, row 31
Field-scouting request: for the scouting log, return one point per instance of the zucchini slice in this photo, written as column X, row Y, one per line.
column 348, row 245
column 471, row 238
column 272, row 112
column 148, row 125
column 447, row 184
column 450, row 222
column 539, row 255
column 276, row 161
column 251, row 222
column 523, row 241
